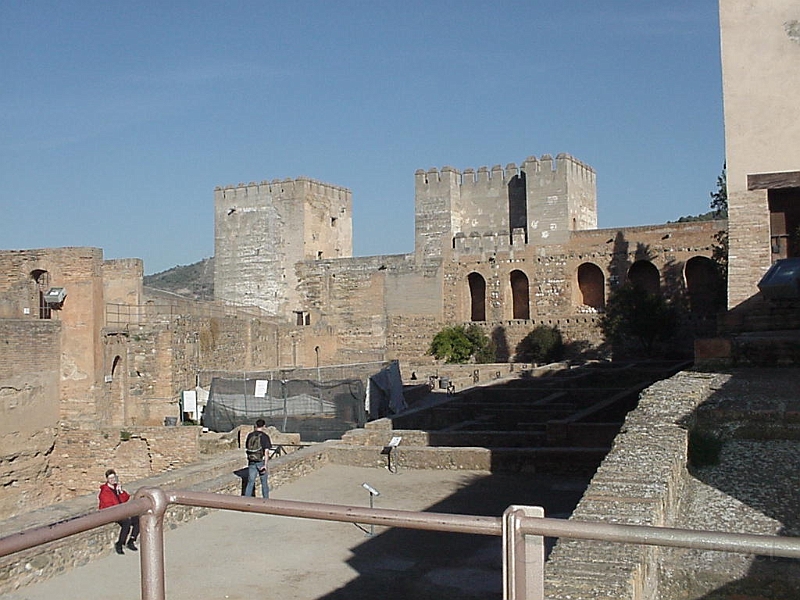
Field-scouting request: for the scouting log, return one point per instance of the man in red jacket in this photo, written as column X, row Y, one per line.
column 111, row 494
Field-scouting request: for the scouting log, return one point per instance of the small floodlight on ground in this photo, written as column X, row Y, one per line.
column 370, row 489
column 372, row 493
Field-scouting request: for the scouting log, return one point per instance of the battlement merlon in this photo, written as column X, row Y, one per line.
column 284, row 187
column 564, row 165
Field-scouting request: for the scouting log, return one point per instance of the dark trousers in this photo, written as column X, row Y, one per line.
column 128, row 526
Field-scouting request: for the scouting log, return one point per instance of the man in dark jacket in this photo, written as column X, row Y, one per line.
column 256, row 446
column 111, row 494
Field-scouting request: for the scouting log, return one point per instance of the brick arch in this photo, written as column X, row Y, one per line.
column 477, row 293
column 644, row 274
column 520, row 295
column 592, row 286
column 703, row 284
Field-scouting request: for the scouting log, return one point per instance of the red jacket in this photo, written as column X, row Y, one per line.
column 108, row 496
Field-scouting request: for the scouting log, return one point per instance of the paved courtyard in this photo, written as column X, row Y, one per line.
column 240, row 556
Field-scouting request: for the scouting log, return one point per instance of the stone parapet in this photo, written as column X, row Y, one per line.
column 639, row 483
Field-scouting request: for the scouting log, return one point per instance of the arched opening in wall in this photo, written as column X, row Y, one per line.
column 520, row 295
column 41, row 283
column 477, row 294
column 703, row 284
column 517, row 204
column 592, row 286
column 114, row 365
column 117, row 397
column 644, row 274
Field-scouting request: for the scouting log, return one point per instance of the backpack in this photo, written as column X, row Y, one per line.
column 253, row 447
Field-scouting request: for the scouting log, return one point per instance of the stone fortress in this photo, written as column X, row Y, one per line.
column 91, row 375
column 92, row 363
column 506, row 248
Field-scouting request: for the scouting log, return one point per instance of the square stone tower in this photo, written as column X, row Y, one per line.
column 261, row 230
column 545, row 199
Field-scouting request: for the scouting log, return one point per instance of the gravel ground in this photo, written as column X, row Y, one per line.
column 755, row 488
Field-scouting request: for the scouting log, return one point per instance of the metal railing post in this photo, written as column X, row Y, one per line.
column 523, row 556
column 152, row 544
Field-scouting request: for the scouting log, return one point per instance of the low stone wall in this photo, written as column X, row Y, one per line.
column 217, row 475
column 639, row 483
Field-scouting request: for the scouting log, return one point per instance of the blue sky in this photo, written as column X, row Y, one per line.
column 118, row 119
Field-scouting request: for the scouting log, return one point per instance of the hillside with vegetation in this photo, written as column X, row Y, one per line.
column 192, row 281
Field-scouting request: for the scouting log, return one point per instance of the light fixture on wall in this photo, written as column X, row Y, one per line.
column 55, row 297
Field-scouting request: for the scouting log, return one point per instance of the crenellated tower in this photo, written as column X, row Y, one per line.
column 261, row 230
column 543, row 201
column 561, row 197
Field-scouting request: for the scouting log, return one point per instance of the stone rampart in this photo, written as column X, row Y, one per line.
column 639, row 483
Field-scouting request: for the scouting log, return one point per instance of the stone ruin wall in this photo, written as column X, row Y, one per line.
column 123, row 281
column 29, row 411
column 135, row 452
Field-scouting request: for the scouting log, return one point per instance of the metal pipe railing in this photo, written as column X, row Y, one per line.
column 343, row 513
column 523, row 529
column 61, row 529
column 743, row 543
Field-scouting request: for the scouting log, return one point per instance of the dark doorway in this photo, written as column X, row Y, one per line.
column 592, row 285
column 477, row 292
column 520, row 295
column 644, row 274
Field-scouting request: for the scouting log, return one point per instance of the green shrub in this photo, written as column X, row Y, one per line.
column 542, row 345
column 459, row 344
column 634, row 315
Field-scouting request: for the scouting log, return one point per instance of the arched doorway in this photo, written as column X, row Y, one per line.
column 477, row 293
column 41, row 283
column 592, row 286
column 644, row 274
column 520, row 295
column 703, row 285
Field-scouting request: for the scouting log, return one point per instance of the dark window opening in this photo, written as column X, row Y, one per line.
column 517, row 204
column 520, row 295
column 644, row 274
column 592, row 286
column 41, row 280
column 703, row 283
column 784, row 222
column 477, row 292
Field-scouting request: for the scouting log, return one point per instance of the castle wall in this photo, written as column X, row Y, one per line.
column 29, row 411
column 760, row 44
column 122, row 281
column 545, row 200
column 79, row 271
column 436, row 204
column 135, row 452
column 483, row 205
column 352, row 300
